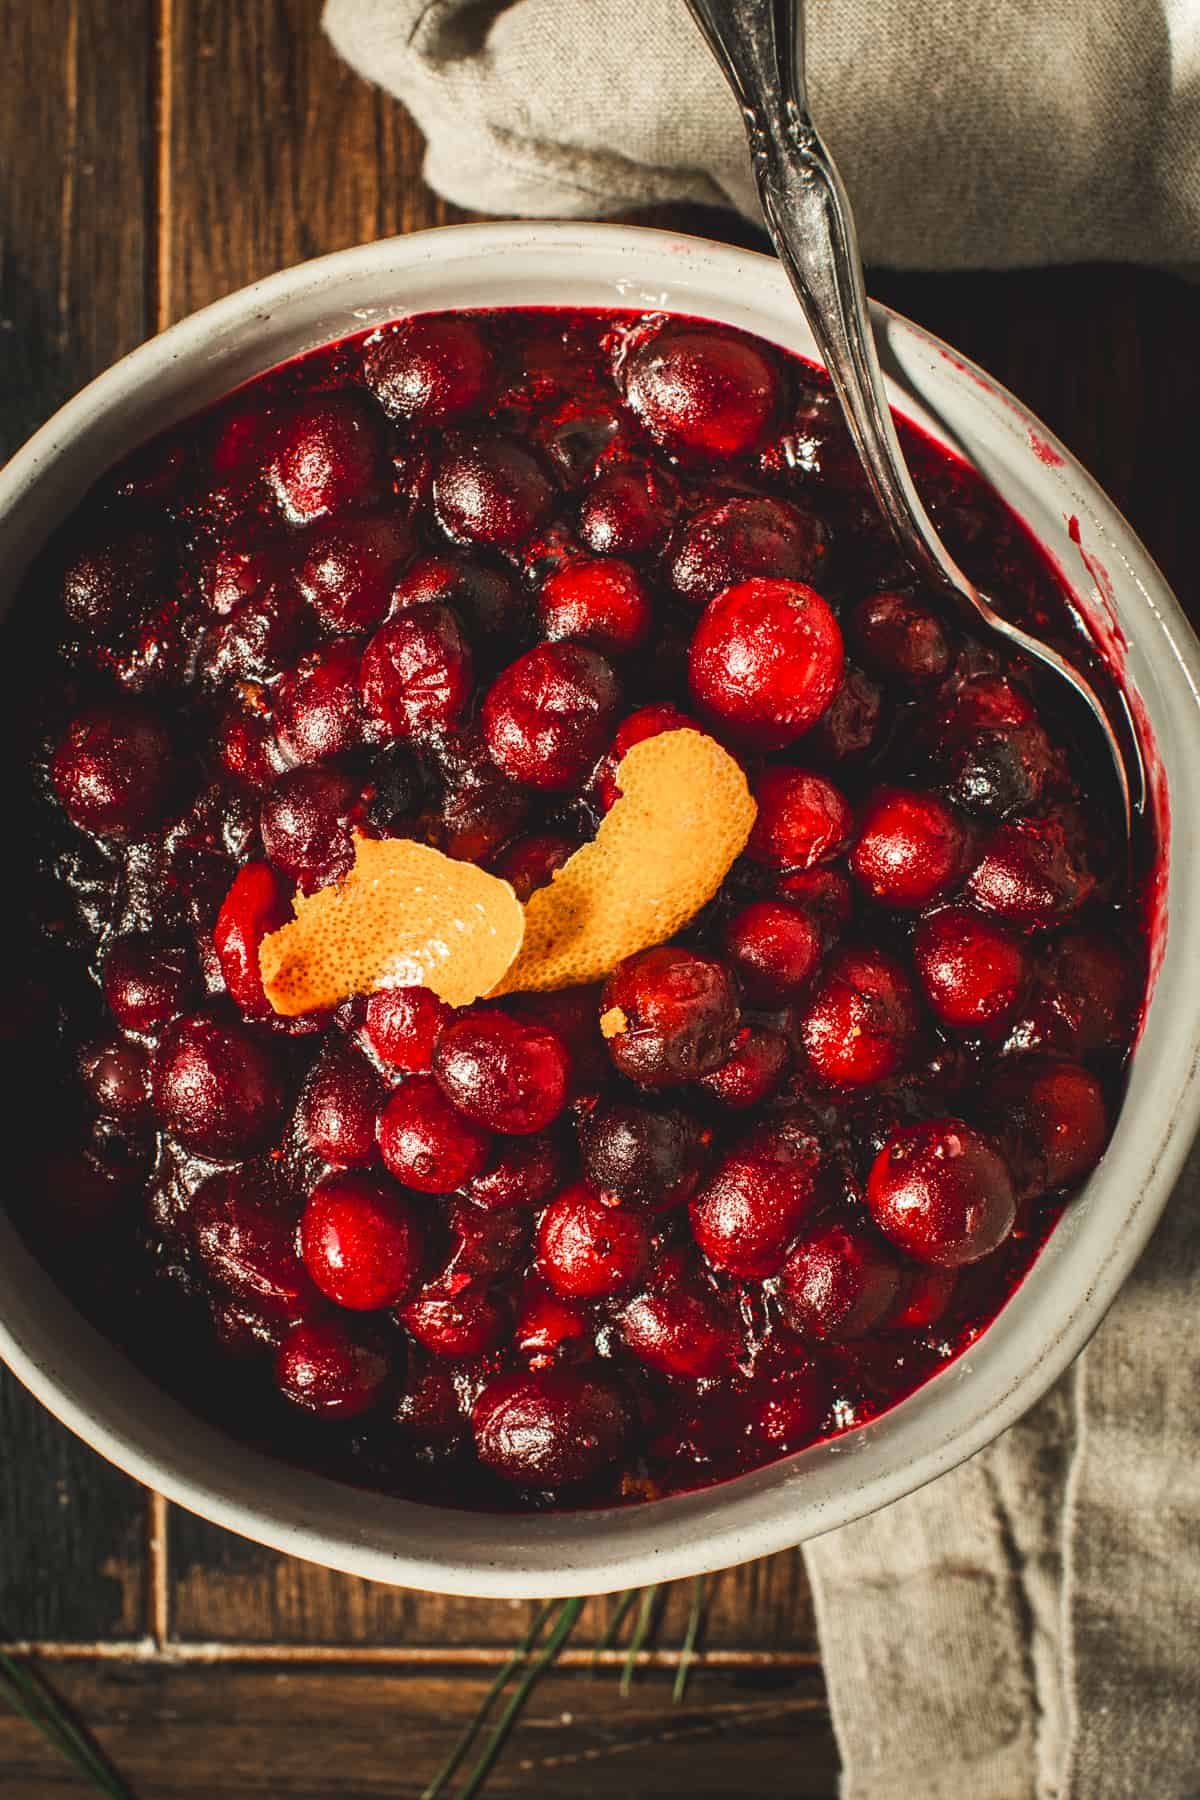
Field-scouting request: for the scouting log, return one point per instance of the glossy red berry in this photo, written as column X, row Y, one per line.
column 789, row 1410
column 647, row 722
column 245, row 749
column 258, row 902
column 319, row 1367
column 599, row 601
column 838, row 1283
column 216, row 1088
column 911, row 848
column 316, row 707
column 765, row 661
column 1053, row 1116
column 1030, row 874
column 753, row 1071
column 327, row 457
column 702, row 393
column 402, row 1025
column 752, row 1206
column 736, row 539
column 107, row 584
column 824, row 893
column 642, row 1155
column 338, row 1108
column 459, row 1326
column 348, row 572
column 774, row 948
column 545, row 1323
column 547, row 717
column 626, row 511
column 589, row 1251
column 925, row 1295
column 524, row 1173
column 860, row 1024
column 1085, row 994
column 113, row 770
column 942, row 1193
column 116, row 1074
column 671, row 1015
column 506, row 1073
column 361, row 1241
column 246, row 1243
column 492, row 493
column 549, row 1428
column 146, row 981
column 305, row 825
column 491, row 611
column 529, row 863
column 430, row 371
column 972, row 971
column 427, row 1143
column 678, row 1327
column 802, row 819
column 416, row 673
column 900, row 639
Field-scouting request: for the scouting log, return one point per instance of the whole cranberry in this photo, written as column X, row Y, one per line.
column 258, row 640
column 735, row 539
column 146, row 981
column 838, row 1283
column 547, row 717
column 524, row 1174
column 787, row 1411
column 678, row 1327
column 402, row 1026
column 549, row 1428
column 942, row 1193
column 462, row 1326
column 432, row 370
column 753, row 1071
column 851, row 723
column 647, row 722
column 545, row 1322
column 860, row 1024
column 751, row 1207
column 107, row 584
column 258, row 903
column 994, row 773
column 1053, row 1116
column 900, row 639
column 116, row 1074
column 588, row 1251
column 348, row 572
column 642, row 1155
column 1030, row 874
column 911, row 848
column 361, row 1241
column 824, row 893
column 480, row 807
column 702, row 393
column 305, row 825
column 416, row 673
column 245, row 748
column 773, row 948
column 765, row 661
column 626, row 511
column 673, row 1014
column 491, row 493
column 973, row 972
column 493, row 614
column 327, row 457
column 574, row 1014
column 599, row 601
column 319, row 1367
column 505, row 1073
column 246, row 1242
column 1086, row 994
column 113, row 771
column 239, row 571
column 316, row 706
column 529, row 862
column 338, row 1107
column 925, row 1295
column 215, row 1087
column 426, row 1142
column 428, row 1413
column 802, row 819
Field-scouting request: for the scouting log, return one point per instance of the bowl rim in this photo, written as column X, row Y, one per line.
column 62, row 1359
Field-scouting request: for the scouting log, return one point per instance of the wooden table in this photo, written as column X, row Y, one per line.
column 157, row 154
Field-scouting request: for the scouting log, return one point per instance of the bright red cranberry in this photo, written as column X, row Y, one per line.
column 626, row 512
column 773, row 948
column 702, row 393
column 911, row 848
column 305, row 825
column 108, row 584
column 146, row 982
column 416, row 673
column 245, row 748
column 751, row 1208
column 749, row 535
column 678, row 1327
column 824, row 893
column 1030, row 874
column 942, row 1193
column 851, row 722
column 1085, row 994
column 492, row 493
column 574, row 1014
column 789, row 1410
column 900, row 639
column 802, row 819
column 588, row 1251
column 523, row 1175
column 529, row 863
column 246, row 1242
column 755, row 1069
column 320, row 1368
column 361, row 1242
column 328, row 456
column 461, row 1326
column 599, row 601
column 430, row 371
column 925, row 1295
column 642, row 1155
column 675, row 1015
column 1054, row 1117
column 505, row 1073
column 766, row 660
column 647, row 722
column 547, row 716
column 402, row 1026
column 545, row 1323
column 860, row 1025
column 348, row 573
column 427, row 1143
column 338, row 1107
column 838, row 1283
column 258, row 903
column 116, row 1074
column 316, row 707
column 113, row 771
column 549, row 1428
column 492, row 612
column 972, row 970
column 215, row 1087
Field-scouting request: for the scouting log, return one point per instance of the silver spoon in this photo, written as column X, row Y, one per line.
column 759, row 45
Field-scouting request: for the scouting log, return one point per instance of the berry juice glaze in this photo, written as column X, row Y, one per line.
column 434, row 582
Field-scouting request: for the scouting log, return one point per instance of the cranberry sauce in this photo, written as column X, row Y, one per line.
column 434, row 582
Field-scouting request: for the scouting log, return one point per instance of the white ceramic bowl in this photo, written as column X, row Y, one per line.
column 121, row 1413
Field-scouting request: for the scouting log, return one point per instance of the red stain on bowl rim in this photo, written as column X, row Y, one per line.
column 1044, row 451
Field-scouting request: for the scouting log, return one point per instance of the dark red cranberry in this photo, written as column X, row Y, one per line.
column 108, row 584
column 530, row 862
column 316, row 707
column 752, row 1073
column 588, row 1251
column 480, row 807
column 647, row 722
column 642, row 1155
column 146, row 982
column 802, row 819
column 549, row 1428
column 750, row 1209
column 547, row 717
column 678, row 1327
column 215, row 1087
column 1085, row 994
column 320, row 1368
column 851, row 722
column 402, row 1026
column 258, row 903
column 749, row 535
column 461, row 1326
column 766, row 660
column 1053, row 1116
column 824, row 893
column 925, row 1294
column 545, row 1322
column 900, row 639
column 430, row 371
column 238, row 572
column 838, row 1283
column 416, row 673
column 257, row 641
column 860, row 1025
column 972, row 970
column 492, row 612
column 673, row 1015
column 245, row 748
column 246, row 1242
column 491, row 493
column 328, row 456
column 789, row 1410
column 995, row 756
column 338, row 1107
column 524, row 1174
column 305, row 825
column 1030, row 874
column 361, row 1242
column 702, row 393
column 942, row 1193
column 116, row 1074
column 574, row 1014
column 505, row 1073
column 599, row 601
column 626, row 512
column 348, row 572
column 427, row 1143
column 113, row 771
column 911, row 848
column 774, row 948
column 428, row 1413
